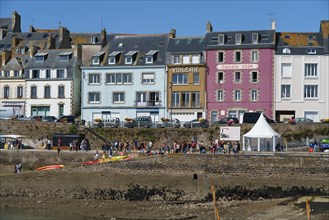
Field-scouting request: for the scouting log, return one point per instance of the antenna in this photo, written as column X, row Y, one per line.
column 271, row 15
column 59, row 23
column 101, row 24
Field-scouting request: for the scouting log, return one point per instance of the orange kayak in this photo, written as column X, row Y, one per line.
column 51, row 167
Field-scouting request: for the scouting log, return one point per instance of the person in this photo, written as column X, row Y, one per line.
column 96, row 155
column 58, row 150
column 18, row 168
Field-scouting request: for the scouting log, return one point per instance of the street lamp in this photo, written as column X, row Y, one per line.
column 171, row 144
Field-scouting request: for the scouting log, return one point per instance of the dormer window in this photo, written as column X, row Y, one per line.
column 255, row 38
column 114, row 57
column 195, row 58
column 150, row 56
column 94, row 39
column 130, row 56
column 221, row 39
column 286, row 50
column 238, row 39
column 311, row 51
column 97, row 57
column 40, row 57
column 176, row 59
column 64, row 56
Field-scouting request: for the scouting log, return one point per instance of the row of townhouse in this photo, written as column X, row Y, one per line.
column 100, row 75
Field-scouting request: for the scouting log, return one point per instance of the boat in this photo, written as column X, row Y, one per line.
column 51, row 167
column 106, row 160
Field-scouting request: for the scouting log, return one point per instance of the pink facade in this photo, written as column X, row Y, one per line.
column 245, row 76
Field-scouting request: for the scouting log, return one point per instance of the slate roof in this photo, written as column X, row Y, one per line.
column 300, row 43
column 52, row 61
column 6, row 24
column 16, row 63
column 188, row 45
column 142, row 44
column 266, row 39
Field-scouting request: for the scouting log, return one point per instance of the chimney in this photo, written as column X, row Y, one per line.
column 64, row 38
column 3, row 33
column 6, row 55
column 31, row 29
column 172, row 33
column 14, row 41
column 103, row 36
column 33, row 51
column 77, row 52
column 16, row 22
column 208, row 27
column 273, row 25
column 50, row 42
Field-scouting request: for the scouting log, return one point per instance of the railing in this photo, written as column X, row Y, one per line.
column 150, row 103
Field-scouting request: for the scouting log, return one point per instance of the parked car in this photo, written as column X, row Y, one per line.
column 226, row 120
column 49, row 118
column 197, row 123
column 303, row 120
column 109, row 122
column 252, row 117
column 66, row 118
column 142, row 121
column 21, row 117
column 168, row 124
column 37, row 118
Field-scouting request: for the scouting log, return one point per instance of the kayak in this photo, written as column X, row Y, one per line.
column 51, row 167
column 106, row 160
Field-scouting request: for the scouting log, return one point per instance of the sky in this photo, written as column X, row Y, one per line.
column 189, row 18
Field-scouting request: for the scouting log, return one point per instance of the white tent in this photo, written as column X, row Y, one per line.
column 260, row 130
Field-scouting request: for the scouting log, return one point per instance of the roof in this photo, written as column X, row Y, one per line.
column 261, row 129
column 6, row 23
column 266, row 39
column 186, row 45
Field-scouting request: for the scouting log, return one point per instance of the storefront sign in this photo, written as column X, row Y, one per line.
column 237, row 66
column 185, row 69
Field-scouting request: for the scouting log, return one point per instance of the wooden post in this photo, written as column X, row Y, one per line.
column 308, row 210
column 217, row 217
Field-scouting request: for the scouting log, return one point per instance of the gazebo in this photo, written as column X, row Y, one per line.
column 260, row 130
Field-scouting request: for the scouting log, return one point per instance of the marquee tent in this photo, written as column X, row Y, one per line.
column 260, row 130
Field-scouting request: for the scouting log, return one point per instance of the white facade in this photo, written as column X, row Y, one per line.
column 302, row 86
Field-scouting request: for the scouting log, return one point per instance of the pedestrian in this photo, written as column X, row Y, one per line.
column 18, row 168
column 59, row 149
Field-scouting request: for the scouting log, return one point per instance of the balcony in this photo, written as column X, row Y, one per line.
column 150, row 103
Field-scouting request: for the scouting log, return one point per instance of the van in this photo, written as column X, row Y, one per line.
column 66, row 118
column 252, row 117
column 109, row 122
column 140, row 122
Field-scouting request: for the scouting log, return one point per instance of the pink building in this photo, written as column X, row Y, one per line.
column 240, row 73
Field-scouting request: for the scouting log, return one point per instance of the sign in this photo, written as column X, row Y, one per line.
column 185, row 69
column 237, row 66
column 230, row 133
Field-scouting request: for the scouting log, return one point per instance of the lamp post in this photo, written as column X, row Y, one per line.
column 171, row 144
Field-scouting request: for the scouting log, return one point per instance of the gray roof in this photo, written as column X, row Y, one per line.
column 186, row 45
column 139, row 46
column 5, row 23
column 52, row 61
column 266, row 39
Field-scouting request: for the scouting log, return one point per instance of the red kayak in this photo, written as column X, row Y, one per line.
column 51, row 167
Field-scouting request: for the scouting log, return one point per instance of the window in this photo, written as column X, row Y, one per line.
column 95, row 60
column 175, row 101
column 254, row 95
column 254, row 56
column 94, row 97
column 148, row 78
column 60, row 74
column 129, row 60
column 110, row 78
column 39, row 58
column 311, row 69
column 63, row 58
column 35, row 74
column 16, row 73
column 118, row 78
column 127, row 78
column 180, row 79
column 220, row 77
column 221, row 39
column 94, row 78
column 237, row 77
column 113, row 57
column 112, row 60
column 220, row 95
column 286, row 70
column 118, row 97
column 221, row 57
column 238, row 39
column 311, row 51
column 196, row 78
column 195, row 99
column 61, row 109
column 6, row 92
column 176, row 59
column 254, row 77
column 186, row 59
column 285, row 91
column 254, row 38
column 7, row 73
column 141, row 98
column 47, row 74
column 19, row 92
column 237, row 56
column 149, row 59
column 61, row 92
column 195, row 59
column 47, row 92
column 151, row 56
column 33, row 92
column 286, row 50
column 185, row 99
column 237, row 95
column 310, row 91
